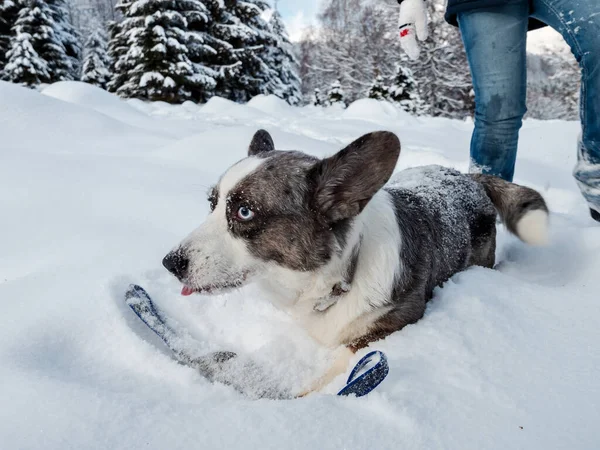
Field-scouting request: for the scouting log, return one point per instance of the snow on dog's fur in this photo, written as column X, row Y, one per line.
column 350, row 258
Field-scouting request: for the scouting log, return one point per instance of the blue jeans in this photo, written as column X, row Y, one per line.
column 495, row 42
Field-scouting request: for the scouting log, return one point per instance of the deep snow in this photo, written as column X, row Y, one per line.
column 95, row 191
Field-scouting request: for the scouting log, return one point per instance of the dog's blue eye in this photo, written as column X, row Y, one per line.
column 245, row 214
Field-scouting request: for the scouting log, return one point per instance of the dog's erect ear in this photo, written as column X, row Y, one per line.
column 347, row 181
column 262, row 142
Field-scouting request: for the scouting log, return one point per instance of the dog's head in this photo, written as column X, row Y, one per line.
column 281, row 207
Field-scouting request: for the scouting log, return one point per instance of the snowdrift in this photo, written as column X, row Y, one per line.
column 95, row 191
column 376, row 111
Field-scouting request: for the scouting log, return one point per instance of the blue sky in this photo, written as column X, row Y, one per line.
column 290, row 8
column 298, row 14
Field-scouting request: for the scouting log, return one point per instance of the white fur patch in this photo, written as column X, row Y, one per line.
column 343, row 356
column 216, row 257
column 532, row 228
column 237, row 173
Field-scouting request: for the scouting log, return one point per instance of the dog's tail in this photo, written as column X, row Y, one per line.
column 522, row 210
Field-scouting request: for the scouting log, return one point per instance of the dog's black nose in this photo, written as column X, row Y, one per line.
column 176, row 263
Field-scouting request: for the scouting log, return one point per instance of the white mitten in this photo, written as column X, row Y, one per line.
column 413, row 25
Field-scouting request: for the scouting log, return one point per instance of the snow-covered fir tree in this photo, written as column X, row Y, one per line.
column 52, row 36
column 335, row 95
column 404, row 91
column 202, row 46
column 402, row 85
column 210, row 47
column 234, row 52
column 96, row 61
column 66, row 67
column 8, row 18
column 286, row 82
column 156, row 65
column 248, row 35
column 118, row 47
column 24, row 65
column 317, row 99
column 378, row 90
column 35, row 21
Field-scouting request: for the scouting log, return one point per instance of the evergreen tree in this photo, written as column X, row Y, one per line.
column 286, row 82
column 234, row 52
column 24, row 65
column 211, row 47
column 66, row 67
column 52, row 37
column 96, row 61
column 317, row 98
column 248, row 37
column 118, row 46
column 35, row 20
column 335, row 96
column 204, row 50
column 8, row 18
column 378, row 90
column 203, row 47
column 404, row 91
column 156, row 65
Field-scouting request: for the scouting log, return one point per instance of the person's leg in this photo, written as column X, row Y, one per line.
column 495, row 42
column 579, row 23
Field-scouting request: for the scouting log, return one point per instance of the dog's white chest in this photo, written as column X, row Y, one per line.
column 344, row 321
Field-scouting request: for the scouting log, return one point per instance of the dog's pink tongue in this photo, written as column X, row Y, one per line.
column 185, row 291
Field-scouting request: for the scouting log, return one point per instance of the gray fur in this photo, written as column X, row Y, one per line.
column 345, row 285
column 286, row 228
column 448, row 223
column 213, row 197
column 511, row 200
column 304, row 206
column 347, row 181
column 262, row 142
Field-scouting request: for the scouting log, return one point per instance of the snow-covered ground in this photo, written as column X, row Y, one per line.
column 93, row 193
